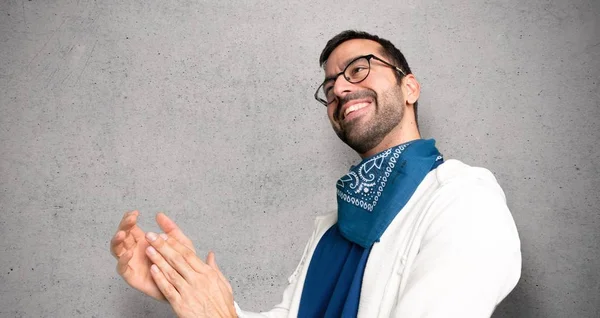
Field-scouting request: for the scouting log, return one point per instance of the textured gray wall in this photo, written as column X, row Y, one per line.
column 204, row 110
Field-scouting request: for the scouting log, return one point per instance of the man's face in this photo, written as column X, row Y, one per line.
column 366, row 112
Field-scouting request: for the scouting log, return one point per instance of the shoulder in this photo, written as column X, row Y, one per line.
column 454, row 178
column 455, row 170
column 470, row 201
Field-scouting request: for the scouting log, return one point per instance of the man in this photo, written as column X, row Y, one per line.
column 413, row 236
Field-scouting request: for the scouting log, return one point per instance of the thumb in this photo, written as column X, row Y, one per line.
column 171, row 229
column 211, row 261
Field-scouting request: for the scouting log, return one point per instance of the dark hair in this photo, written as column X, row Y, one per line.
column 388, row 50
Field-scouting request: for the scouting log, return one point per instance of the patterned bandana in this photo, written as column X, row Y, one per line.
column 374, row 191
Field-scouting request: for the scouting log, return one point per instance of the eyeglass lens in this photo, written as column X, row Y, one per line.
column 355, row 72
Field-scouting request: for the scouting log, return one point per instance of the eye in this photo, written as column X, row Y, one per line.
column 357, row 69
column 327, row 87
column 330, row 96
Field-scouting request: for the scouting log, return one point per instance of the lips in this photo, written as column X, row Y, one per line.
column 354, row 107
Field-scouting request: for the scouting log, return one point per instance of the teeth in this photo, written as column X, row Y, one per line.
column 354, row 108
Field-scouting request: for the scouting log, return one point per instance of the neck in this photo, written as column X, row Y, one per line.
column 403, row 133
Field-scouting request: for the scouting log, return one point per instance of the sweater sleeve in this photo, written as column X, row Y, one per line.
column 469, row 258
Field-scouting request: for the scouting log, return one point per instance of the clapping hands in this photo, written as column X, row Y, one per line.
column 166, row 267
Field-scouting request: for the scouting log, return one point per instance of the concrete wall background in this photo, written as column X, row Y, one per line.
column 204, row 110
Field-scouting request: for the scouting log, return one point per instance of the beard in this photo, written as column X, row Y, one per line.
column 387, row 115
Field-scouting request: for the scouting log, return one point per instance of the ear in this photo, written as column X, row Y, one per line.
column 411, row 89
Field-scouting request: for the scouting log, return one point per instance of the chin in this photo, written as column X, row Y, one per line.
column 361, row 143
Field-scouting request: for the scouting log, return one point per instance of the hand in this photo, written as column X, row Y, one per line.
column 129, row 245
column 192, row 287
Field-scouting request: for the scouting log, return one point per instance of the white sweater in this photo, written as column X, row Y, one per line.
column 452, row 251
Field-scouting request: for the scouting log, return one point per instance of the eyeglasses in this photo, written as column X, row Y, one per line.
column 355, row 72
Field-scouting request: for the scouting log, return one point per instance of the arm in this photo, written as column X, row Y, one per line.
column 469, row 259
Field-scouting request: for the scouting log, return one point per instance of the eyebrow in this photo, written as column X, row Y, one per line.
column 346, row 62
column 330, row 78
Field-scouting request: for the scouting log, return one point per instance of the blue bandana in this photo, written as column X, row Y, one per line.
column 374, row 191
column 369, row 197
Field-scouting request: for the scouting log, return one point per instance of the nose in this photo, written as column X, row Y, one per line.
column 341, row 87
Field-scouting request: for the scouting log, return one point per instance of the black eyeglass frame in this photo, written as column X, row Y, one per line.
column 334, row 77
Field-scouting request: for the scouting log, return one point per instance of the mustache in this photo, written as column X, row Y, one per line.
column 352, row 96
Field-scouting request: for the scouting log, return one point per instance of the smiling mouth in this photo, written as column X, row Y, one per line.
column 354, row 108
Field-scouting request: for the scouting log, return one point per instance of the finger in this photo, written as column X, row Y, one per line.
column 212, row 262
column 129, row 225
column 170, row 227
column 188, row 254
column 123, row 264
column 126, row 225
column 167, row 289
column 168, row 255
column 129, row 241
column 172, row 275
column 116, row 244
column 133, row 228
column 123, row 240
column 137, row 233
column 129, row 219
